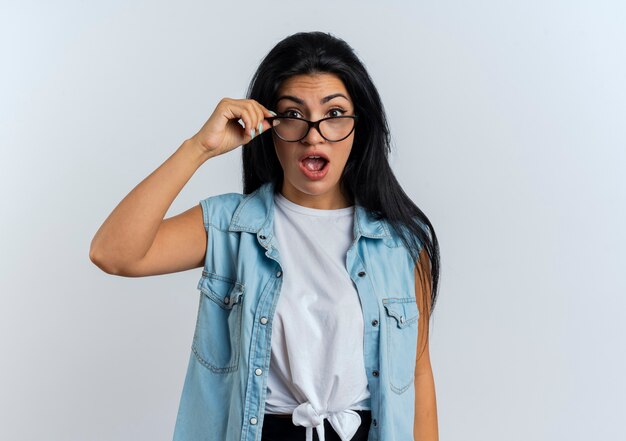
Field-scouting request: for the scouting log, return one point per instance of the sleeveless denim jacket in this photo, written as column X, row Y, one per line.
column 223, row 396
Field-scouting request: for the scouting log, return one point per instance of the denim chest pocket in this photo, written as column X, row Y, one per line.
column 217, row 335
column 401, row 317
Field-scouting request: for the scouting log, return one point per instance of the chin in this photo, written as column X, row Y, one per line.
column 319, row 186
column 313, row 188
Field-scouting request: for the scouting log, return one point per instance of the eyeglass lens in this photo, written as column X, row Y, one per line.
column 333, row 129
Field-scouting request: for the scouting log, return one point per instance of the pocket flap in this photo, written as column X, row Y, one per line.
column 224, row 291
column 404, row 311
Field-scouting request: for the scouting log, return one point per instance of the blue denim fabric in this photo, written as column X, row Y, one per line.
column 223, row 397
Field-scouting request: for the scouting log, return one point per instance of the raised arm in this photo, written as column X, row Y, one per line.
column 135, row 240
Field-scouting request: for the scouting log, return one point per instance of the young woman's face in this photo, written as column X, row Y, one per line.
column 313, row 97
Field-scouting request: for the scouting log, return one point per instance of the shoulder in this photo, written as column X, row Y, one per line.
column 218, row 210
column 403, row 230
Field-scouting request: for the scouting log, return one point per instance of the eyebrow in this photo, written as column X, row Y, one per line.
column 322, row 101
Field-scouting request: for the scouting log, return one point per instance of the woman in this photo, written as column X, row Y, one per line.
column 318, row 281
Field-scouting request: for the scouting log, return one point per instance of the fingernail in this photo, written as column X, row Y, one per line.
column 273, row 113
column 252, row 133
column 260, row 128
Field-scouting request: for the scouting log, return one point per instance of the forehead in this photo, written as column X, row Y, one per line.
column 318, row 84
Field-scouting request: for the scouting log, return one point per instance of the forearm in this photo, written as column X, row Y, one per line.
column 129, row 231
column 425, row 424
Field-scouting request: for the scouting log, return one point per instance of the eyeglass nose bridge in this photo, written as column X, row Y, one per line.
column 314, row 125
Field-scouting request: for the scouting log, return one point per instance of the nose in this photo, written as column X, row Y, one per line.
column 313, row 137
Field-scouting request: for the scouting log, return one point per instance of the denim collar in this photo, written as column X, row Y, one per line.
column 255, row 214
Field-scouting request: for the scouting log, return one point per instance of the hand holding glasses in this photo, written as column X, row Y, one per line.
column 222, row 132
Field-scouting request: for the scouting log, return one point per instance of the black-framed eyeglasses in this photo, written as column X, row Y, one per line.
column 333, row 128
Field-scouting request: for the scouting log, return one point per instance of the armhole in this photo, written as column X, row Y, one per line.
column 204, row 204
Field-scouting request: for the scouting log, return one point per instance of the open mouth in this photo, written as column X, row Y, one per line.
column 314, row 167
column 314, row 163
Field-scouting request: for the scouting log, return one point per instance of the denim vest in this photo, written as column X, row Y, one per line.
column 223, row 397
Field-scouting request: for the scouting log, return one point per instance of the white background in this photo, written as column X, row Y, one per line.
column 508, row 128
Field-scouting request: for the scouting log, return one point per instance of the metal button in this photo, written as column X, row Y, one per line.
column 279, row 273
column 263, row 320
column 401, row 319
column 375, row 373
column 362, row 273
column 262, row 237
column 374, row 322
column 253, row 421
column 375, row 423
column 258, row 372
column 227, row 300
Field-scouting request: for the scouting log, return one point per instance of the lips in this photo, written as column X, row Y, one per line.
column 320, row 154
column 314, row 175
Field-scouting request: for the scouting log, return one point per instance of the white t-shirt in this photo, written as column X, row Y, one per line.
column 317, row 369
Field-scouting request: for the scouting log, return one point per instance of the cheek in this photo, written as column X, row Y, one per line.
column 282, row 152
column 346, row 152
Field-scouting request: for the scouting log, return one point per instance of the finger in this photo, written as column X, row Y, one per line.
column 266, row 113
column 248, row 120
column 261, row 124
column 254, row 117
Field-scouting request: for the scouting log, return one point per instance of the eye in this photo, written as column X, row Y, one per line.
column 291, row 113
column 337, row 109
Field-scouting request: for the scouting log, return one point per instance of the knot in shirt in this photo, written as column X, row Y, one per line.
column 345, row 422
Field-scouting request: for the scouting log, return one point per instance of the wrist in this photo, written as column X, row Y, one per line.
column 196, row 152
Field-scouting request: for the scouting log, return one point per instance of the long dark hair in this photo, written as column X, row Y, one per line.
column 367, row 178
